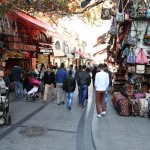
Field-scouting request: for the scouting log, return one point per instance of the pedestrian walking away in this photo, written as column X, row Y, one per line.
column 60, row 77
column 101, row 84
column 83, row 81
column 69, row 86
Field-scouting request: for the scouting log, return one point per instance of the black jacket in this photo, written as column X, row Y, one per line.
column 49, row 78
column 69, row 84
column 83, row 78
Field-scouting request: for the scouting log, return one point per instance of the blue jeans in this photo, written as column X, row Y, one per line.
column 82, row 94
column 69, row 98
column 18, row 89
column 106, row 96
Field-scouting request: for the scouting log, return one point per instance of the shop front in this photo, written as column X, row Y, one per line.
column 81, row 57
column 44, row 49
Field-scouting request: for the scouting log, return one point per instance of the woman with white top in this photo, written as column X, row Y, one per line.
column 2, row 83
column 101, row 84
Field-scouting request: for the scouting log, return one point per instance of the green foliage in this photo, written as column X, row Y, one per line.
column 54, row 9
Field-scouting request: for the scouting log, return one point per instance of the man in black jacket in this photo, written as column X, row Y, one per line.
column 83, row 81
column 49, row 82
column 18, row 81
column 69, row 86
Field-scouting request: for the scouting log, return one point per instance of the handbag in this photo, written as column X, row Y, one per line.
column 147, row 70
column 120, row 15
column 132, row 40
column 141, row 57
column 113, row 28
column 126, row 15
column 131, row 69
column 131, row 58
column 105, row 13
column 146, row 38
column 126, row 51
column 134, row 14
column 140, row 69
column 142, row 9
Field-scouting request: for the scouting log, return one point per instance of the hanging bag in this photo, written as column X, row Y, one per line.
column 148, row 11
column 105, row 13
column 140, row 69
column 142, row 9
column 132, row 40
column 126, row 15
column 113, row 28
column 141, row 57
column 120, row 14
column 126, row 51
column 146, row 38
column 131, row 58
column 134, row 14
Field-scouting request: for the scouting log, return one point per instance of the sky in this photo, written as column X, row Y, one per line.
column 86, row 31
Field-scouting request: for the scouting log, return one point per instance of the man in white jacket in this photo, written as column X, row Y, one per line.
column 101, row 84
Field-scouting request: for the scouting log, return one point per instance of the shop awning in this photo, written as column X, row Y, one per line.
column 83, row 55
column 33, row 20
column 100, row 52
column 102, row 39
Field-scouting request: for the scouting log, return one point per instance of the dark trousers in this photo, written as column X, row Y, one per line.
column 100, row 101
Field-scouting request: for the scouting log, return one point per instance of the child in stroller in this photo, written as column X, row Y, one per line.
column 34, row 91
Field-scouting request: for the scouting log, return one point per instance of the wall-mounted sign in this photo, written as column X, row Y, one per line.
column 46, row 51
column 19, row 46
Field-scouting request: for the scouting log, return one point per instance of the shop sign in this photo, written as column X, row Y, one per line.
column 19, row 46
column 46, row 51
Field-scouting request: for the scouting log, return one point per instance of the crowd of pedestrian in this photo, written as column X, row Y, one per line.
column 62, row 82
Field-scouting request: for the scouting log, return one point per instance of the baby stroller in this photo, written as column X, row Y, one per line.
column 33, row 94
column 5, row 118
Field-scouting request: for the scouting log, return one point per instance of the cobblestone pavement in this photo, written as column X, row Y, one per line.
column 113, row 132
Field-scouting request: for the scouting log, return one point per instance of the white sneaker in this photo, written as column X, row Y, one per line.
column 103, row 113
column 99, row 115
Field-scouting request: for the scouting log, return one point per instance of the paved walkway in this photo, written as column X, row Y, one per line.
column 78, row 129
column 64, row 128
column 113, row 132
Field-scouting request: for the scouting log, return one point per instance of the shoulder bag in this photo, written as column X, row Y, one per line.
column 120, row 14
column 141, row 57
column 142, row 9
column 134, row 14
column 148, row 11
column 113, row 28
column 131, row 58
column 140, row 69
column 146, row 38
column 105, row 13
column 132, row 40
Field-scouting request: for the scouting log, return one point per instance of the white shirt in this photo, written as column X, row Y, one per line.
column 101, row 81
column 2, row 86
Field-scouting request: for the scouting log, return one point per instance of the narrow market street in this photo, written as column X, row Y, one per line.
column 53, row 127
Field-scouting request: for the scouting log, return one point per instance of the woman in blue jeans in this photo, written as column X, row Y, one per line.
column 69, row 86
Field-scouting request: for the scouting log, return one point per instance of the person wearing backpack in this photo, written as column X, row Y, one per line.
column 69, row 86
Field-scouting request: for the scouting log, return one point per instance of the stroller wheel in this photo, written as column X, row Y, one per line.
column 8, row 120
column 7, row 109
